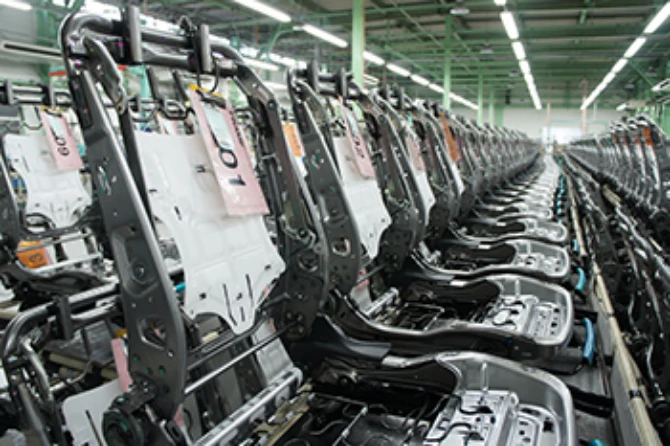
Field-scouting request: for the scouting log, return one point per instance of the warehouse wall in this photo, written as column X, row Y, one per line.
column 22, row 27
column 564, row 123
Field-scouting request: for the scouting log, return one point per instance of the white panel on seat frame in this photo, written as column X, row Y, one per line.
column 228, row 261
column 425, row 191
column 367, row 206
column 83, row 412
column 58, row 195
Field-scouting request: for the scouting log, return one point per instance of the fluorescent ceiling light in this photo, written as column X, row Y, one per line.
column 519, row 52
column 459, row 8
column 664, row 84
column 463, row 101
column 599, row 89
column 619, row 65
column 525, row 66
column 634, row 47
column 371, row 57
column 536, row 100
column 16, row 5
column 371, row 80
column 264, row 9
column 324, row 35
column 621, row 107
column 529, row 78
column 658, row 19
column 500, row 2
column 609, row 78
column 510, row 25
column 261, row 65
column 283, row 60
column 398, row 70
column 420, row 80
column 436, row 88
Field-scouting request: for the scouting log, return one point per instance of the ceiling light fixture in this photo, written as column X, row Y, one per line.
column 486, row 49
column 459, row 8
column 283, row 60
column 658, row 19
column 661, row 86
column 398, row 70
column 519, row 52
column 371, row 57
column 323, row 35
column 530, row 80
column 420, row 80
column 525, row 66
column 500, row 2
column 634, row 47
column 436, row 88
column 510, row 25
column 370, row 80
column 462, row 100
column 264, row 9
column 619, row 65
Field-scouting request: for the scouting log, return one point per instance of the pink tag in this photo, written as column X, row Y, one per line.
column 230, row 156
column 415, row 152
column 360, row 155
column 364, row 284
column 121, row 364
column 61, row 142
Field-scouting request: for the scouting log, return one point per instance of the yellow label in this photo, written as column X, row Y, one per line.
column 291, row 132
column 454, row 153
column 35, row 257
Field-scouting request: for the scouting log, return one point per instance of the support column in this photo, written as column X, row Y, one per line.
column 492, row 106
column 358, row 40
column 665, row 118
column 446, row 82
column 585, row 85
column 499, row 114
column 480, row 98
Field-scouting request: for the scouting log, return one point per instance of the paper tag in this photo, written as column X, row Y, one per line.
column 414, row 151
column 364, row 283
column 360, row 154
column 291, row 132
column 35, row 257
column 230, row 157
column 167, row 126
column 454, row 153
column 62, row 144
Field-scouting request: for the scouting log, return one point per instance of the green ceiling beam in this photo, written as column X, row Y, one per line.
column 446, row 74
column 502, row 39
column 480, row 98
column 641, row 72
column 491, row 105
column 358, row 40
column 343, row 17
